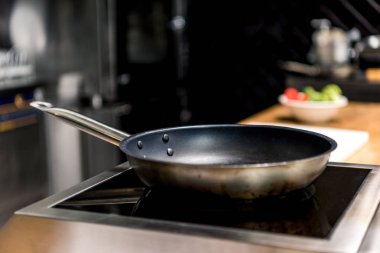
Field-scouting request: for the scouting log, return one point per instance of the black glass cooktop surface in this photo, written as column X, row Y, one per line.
column 310, row 212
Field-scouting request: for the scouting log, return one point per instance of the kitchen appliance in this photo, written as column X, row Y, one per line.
column 115, row 212
column 331, row 52
column 369, row 52
column 369, row 57
column 331, row 45
column 23, row 173
column 235, row 161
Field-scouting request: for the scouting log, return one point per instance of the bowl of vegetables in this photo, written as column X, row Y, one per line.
column 311, row 105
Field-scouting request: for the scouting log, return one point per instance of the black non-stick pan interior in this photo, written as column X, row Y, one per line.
column 227, row 144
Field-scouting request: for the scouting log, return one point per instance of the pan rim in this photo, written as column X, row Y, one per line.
column 332, row 143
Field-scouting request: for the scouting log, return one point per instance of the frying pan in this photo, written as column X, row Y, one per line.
column 234, row 161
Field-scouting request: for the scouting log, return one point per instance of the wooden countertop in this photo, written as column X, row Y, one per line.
column 356, row 116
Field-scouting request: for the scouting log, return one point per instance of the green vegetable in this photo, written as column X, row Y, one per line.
column 330, row 92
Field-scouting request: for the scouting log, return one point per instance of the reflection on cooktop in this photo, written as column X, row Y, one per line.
column 313, row 211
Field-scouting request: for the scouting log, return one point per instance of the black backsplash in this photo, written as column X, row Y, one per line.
column 233, row 50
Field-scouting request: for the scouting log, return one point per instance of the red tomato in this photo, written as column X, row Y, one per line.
column 291, row 93
column 302, row 96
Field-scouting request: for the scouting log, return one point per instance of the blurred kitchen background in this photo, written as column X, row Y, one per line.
column 146, row 64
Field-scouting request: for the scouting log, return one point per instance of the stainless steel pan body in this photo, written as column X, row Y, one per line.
column 235, row 161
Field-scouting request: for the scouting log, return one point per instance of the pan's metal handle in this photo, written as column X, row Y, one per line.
column 82, row 122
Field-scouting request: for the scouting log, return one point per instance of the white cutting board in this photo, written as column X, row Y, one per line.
column 349, row 141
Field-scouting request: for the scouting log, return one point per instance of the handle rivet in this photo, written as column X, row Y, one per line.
column 170, row 151
column 140, row 144
column 165, row 138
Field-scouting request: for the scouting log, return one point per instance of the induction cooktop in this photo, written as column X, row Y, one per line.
column 312, row 212
column 336, row 213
